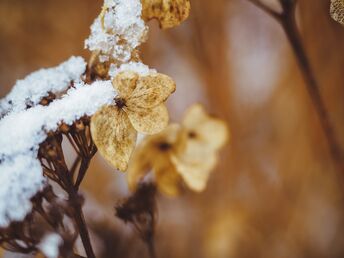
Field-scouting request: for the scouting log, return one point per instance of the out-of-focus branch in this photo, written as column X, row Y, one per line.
column 288, row 22
column 266, row 9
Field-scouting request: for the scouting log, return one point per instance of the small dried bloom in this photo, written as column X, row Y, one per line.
column 154, row 152
column 138, row 107
column 180, row 153
column 117, row 31
column 169, row 13
column 202, row 137
column 337, row 10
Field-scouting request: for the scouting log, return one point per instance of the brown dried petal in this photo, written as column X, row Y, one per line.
column 211, row 132
column 195, row 175
column 167, row 178
column 113, row 135
column 148, row 120
column 337, row 10
column 125, row 83
column 152, row 152
column 169, row 13
column 152, row 90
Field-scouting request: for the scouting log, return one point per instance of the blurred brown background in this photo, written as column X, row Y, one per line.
column 276, row 192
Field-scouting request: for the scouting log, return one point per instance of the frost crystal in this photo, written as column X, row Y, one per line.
column 29, row 91
column 21, row 174
column 118, row 30
column 137, row 67
column 50, row 245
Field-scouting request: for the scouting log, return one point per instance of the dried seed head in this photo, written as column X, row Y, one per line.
column 337, row 10
column 64, row 128
column 169, row 13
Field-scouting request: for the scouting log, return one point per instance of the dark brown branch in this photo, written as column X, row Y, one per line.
column 83, row 231
column 288, row 22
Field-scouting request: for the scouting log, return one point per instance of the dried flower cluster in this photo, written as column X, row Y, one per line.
column 337, row 10
column 99, row 107
column 186, row 152
column 138, row 107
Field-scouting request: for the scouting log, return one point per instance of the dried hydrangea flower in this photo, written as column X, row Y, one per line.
column 169, row 13
column 138, row 107
column 202, row 137
column 154, row 152
column 337, row 10
column 180, row 153
column 117, row 31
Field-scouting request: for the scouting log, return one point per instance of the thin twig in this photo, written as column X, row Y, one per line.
column 83, row 231
column 266, row 9
column 288, row 22
column 82, row 172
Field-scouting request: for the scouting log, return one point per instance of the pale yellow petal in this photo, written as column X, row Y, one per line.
column 149, row 120
column 125, row 83
column 167, row 179
column 195, row 175
column 152, row 151
column 151, row 90
column 211, row 132
column 337, row 10
column 140, row 164
column 113, row 135
column 169, row 13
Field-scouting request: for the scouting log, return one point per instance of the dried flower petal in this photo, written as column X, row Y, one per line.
column 152, row 90
column 148, row 121
column 152, row 153
column 167, row 178
column 337, row 10
column 125, row 83
column 170, row 13
column 210, row 131
column 196, row 175
column 114, row 136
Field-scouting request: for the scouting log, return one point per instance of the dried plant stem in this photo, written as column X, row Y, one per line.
column 151, row 248
column 79, row 219
column 290, row 28
column 288, row 23
column 83, row 231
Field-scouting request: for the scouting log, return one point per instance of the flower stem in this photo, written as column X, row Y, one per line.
column 288, row 23
column 151, row 248
column 83, row 231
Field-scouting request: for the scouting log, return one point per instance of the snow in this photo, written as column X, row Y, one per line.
column 119, row 32
column 21, row 178
column 137, row 67
column 37, row 85
column 21, row 174
column 50, row 245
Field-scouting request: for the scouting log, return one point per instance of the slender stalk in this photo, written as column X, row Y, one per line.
column 82, row 172
column 293, row 35
column 151, row 248
column 83, row 231
column 266, row 9
column 288, row 23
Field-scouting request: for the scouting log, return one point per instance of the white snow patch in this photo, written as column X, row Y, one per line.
column 122, row 30
column 137, row 67
column 37, row 85
column 21, row 174
column 50, row 245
